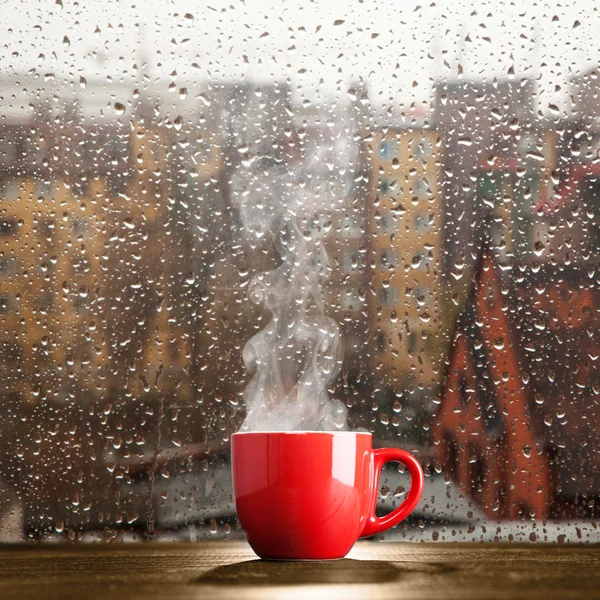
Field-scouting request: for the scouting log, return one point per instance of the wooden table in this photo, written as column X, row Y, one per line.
column 230, row 570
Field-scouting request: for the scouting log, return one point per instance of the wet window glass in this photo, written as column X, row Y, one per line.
column 380, row 217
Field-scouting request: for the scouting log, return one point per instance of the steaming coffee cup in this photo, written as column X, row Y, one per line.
column 311, row 495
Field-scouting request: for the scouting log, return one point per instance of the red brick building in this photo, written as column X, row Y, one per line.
column 484, row 431
column 519, row 406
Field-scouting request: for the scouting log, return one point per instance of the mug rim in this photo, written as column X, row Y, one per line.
column 310, row 432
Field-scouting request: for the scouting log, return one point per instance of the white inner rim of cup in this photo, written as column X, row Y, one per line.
column 303, row 432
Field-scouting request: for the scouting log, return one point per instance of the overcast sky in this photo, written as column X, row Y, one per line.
column 397, row 46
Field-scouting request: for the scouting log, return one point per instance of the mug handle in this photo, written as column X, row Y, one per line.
column 374, row 524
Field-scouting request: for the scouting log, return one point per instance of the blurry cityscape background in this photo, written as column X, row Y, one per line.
column 464, row 275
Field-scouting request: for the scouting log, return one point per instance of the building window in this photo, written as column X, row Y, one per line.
column 422, row 188
column 422, row 223
column 46, row 228
column 384, row 186
column 386, row 149
column 7, row 265
column 422, row 297
column 421, row 262
column 389, row 296
column 80, row 228
column 352, row 261
column 388, row 258
column 43, row 189
column 8, row 226
column 380, row 342
column 9, row 190
column 385, row 222
column 422, row 148
column 6, row 304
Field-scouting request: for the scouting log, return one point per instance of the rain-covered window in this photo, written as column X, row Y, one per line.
column 169, row 171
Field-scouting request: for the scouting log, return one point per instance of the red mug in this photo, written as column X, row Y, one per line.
column 311, row 495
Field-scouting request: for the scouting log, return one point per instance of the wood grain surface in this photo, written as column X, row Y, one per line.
column 230, row 570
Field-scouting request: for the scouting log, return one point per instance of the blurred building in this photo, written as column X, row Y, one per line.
column 54, row 229
column 518, row 408
column 512, row 185
column 486, row 439
column 125, row 269
column 478, row 121
column 405, row 233
column 567, row 230
column 97, row 305
column 517, row 403
column 558, row 310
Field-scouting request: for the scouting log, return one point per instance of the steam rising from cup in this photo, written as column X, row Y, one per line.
column 298, row 355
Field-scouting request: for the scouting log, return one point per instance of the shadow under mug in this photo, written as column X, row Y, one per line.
column 311, row 495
